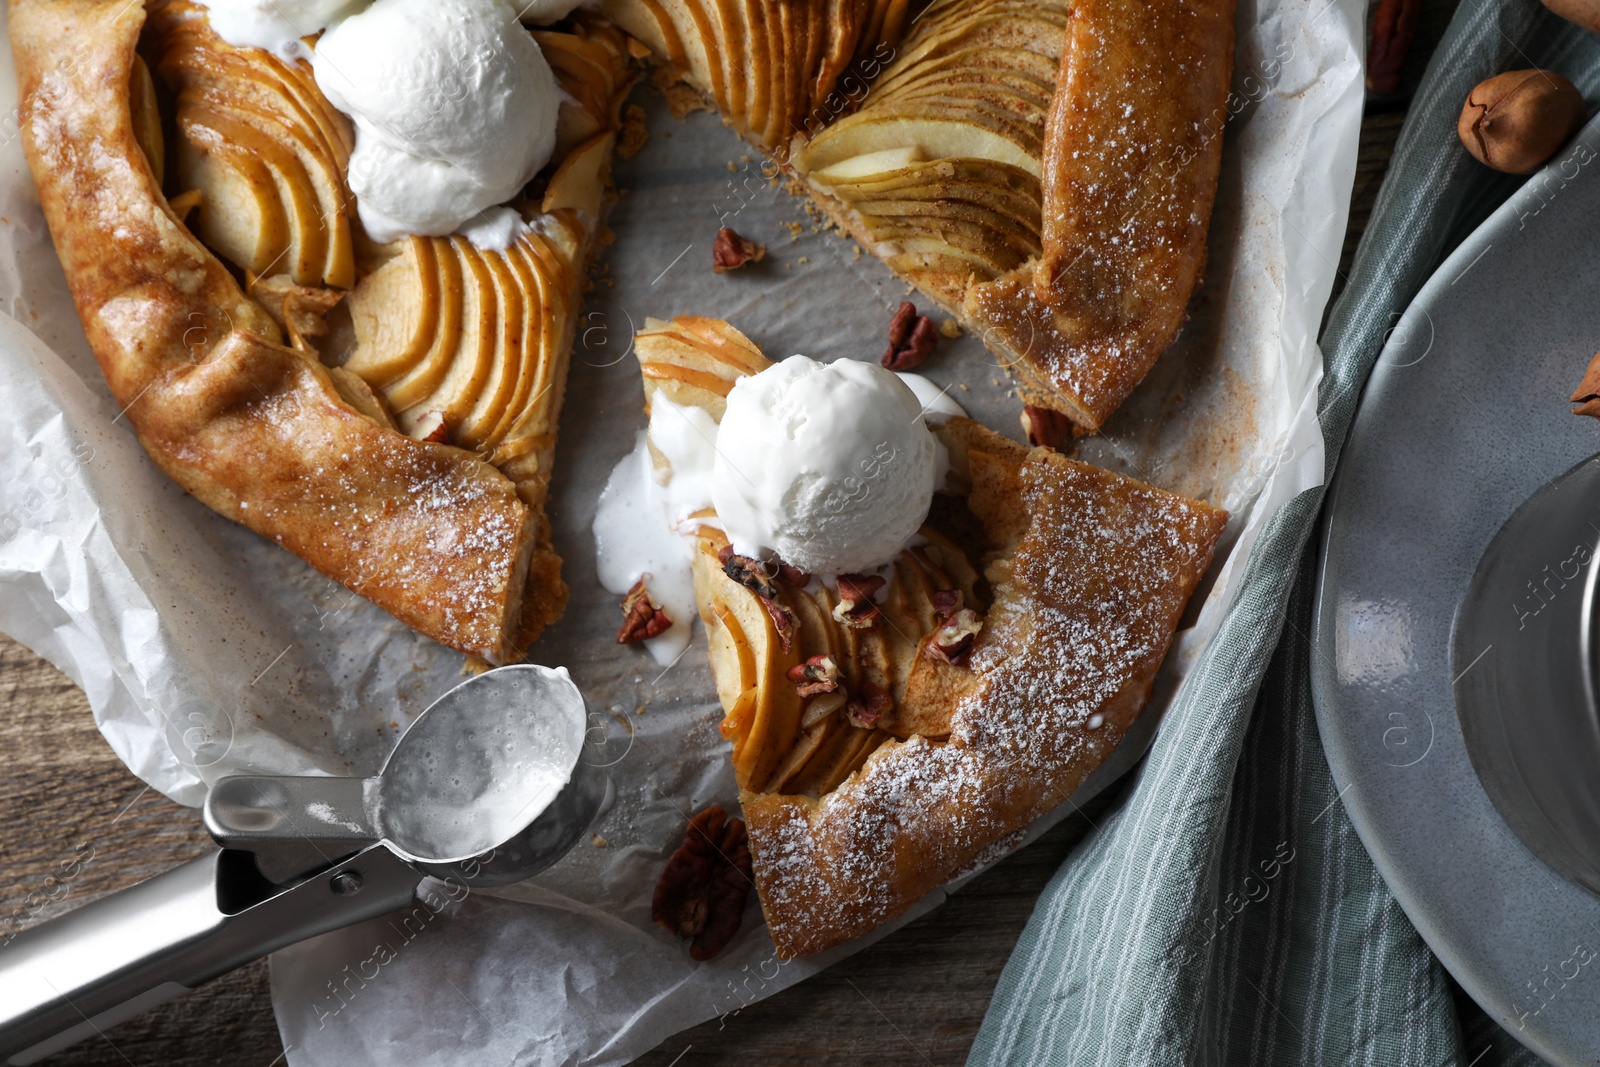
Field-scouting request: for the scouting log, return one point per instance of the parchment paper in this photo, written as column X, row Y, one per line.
column 206, row 651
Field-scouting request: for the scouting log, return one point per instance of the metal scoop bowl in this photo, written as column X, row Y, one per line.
column 490, row 785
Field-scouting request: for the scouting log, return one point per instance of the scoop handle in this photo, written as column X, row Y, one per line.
column 73, row 977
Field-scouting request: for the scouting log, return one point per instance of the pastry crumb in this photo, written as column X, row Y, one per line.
column 600, row 842
column 950, row 328
column 635, row 134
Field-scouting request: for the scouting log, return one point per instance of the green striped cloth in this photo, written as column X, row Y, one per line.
column 1235, row 809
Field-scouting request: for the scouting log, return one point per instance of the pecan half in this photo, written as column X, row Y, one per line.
column 952, row 642
column 703, row 887
column 756, row 577
column 869, row 706
column 819, row 674
column 1047, row 428
column 912, row 339
column 642, row 617
column 730, row 251
column 856, row 608
column 1394, row 24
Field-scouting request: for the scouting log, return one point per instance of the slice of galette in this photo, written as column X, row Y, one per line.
column 385, row 411
column 1044, row 169
column 889, row 726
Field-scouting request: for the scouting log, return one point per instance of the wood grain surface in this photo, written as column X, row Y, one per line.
column 914, row 999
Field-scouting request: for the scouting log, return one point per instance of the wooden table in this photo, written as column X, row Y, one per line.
column 915, row 999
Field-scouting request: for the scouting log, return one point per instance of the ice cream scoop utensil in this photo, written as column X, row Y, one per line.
column 491, row 784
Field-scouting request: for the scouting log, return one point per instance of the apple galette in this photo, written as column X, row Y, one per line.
column 890, row 725
column 334, row 280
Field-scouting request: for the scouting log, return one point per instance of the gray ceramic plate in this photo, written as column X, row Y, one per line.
column 1464, row 418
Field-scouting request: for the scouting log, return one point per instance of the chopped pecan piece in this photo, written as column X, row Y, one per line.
column 642, row 617
column 869, row 706
column 912, row 339
column 793, row 577
column 947, row 602
column 1047, row 428
column 783, row 620
column 756, row 577
column 750, row 573
column 730, row 251
column 703, row 887
column 819, row 674
column 856, row 608
column 953, row 641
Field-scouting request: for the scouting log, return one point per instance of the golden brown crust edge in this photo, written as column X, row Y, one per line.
column 1066, row 661
column 1132, row 156
column 253, row 429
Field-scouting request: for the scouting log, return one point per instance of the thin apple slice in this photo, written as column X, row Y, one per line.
column 873, row 164
column 484, row 411
column 531, row 351
column 579, row 184
column 457, row 306
column 866, row 132
column 558, row 295
column 395, row 311
column 730, row 651
column 358, row 394
column 147, row 119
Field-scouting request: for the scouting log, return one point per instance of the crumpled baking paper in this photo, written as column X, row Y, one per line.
column 206, row 651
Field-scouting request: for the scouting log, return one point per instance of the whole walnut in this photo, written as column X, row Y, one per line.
column 1516, row 121
column 1585, row 13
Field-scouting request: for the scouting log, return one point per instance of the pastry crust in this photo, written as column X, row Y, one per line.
column 260, row 431
column 1087, row 575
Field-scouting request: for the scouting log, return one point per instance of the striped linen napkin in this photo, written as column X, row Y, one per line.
column 1234, row 811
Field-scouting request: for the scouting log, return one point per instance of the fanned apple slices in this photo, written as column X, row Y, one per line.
column 161, row 151
column 771, row 69
column 264, row 148
column 939, row 174
column 972, row 703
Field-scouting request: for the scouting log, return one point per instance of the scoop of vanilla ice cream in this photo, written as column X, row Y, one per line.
column 276, row 25
column 829, row 467
column 454, row 106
